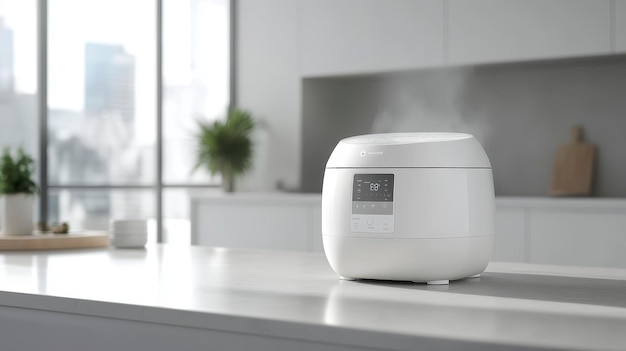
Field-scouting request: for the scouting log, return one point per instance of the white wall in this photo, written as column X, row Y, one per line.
column 269, row 66
column 268, row 84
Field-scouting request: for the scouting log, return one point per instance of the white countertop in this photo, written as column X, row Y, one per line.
column 297, row 295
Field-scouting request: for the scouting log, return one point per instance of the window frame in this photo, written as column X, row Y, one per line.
column 42, row 111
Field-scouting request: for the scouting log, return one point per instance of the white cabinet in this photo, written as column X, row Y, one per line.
column 482, row 31
column 260, row 221
column 579, row 238
column 510, row 235
column 578, row 232
column 365, row 36
column 620, row 26
column 368, row 36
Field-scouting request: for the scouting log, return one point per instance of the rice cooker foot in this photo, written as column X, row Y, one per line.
column 438, row 282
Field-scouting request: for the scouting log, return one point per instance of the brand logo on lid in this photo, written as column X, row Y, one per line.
column 371, row 153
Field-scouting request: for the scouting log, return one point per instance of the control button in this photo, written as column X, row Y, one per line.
column 381, row 224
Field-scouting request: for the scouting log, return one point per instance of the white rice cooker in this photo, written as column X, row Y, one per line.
column 408, row 206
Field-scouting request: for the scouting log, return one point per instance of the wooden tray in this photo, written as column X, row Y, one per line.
column 38, row 241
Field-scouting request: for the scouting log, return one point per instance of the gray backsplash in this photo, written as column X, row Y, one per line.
column 520, row 112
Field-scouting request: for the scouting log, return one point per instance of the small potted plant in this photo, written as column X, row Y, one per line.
column 225, row 147
column 17, row 192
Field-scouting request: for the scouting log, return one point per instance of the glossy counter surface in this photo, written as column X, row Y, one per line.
column 297, row 296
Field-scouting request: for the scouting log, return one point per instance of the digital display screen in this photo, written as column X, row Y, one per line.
column 372, row 187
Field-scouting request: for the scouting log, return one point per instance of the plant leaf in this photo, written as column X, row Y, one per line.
column 16, row 174
column 226, row 146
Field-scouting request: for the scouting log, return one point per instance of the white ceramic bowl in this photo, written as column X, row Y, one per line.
column 129, row 231
column 135, row 241
column 128, row 224
column 128, row 235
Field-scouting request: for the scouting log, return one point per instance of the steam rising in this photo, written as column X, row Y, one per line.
column 428, row 101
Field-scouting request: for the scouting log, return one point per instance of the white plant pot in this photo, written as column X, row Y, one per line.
column 16, row 214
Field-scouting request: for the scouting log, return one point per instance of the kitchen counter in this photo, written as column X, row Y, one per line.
column 190, row 297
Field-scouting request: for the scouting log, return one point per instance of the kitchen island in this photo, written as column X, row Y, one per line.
column 198, row 298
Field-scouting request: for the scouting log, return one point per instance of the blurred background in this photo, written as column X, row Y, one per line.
column 106, row 95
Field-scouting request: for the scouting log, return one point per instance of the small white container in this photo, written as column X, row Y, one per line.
column 408, row 206
column 128, row 224
column 135, row 241
column 128, row 233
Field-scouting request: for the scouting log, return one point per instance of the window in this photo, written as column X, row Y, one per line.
column 196, row 85
column 103, row 149
column 196, row 76
column 101, row 92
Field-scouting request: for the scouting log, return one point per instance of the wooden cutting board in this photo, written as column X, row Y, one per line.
column 573, row 167
column 77, row 240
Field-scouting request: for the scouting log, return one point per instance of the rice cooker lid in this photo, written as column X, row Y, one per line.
column 410, row 150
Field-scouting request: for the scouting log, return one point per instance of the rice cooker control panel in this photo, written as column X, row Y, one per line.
column 372, row 203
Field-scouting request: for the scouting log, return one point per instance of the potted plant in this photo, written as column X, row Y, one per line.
column 17, row 192
column 225, row 147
